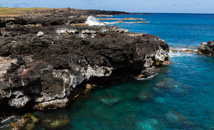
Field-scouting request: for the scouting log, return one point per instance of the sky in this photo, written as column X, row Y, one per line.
column 146, row 6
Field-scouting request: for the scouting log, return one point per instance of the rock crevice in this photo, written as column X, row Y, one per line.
column 43, row 66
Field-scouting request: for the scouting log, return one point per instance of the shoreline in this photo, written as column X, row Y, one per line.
column 90, row 36
column 18, row 11
column 45, row 62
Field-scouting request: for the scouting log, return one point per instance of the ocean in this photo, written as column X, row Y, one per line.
column 179, row 97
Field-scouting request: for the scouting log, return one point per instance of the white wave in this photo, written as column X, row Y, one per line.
column 194, row 48
column 92, row 21
column 110, row 22
column 180, row 54
column 183, row 53
column 117, row 22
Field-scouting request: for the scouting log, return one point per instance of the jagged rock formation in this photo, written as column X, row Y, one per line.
column 206, row 48
column 42, row 67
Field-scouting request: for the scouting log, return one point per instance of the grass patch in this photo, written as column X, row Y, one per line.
column 17, row 11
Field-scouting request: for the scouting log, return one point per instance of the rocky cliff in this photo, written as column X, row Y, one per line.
column 43, row 66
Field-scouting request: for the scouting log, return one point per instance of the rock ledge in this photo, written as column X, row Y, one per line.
column 43, row 67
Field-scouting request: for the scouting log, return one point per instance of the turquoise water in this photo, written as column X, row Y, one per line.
column 179, row 97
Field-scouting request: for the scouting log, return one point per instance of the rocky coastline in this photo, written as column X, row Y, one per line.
column 206, row 48
column 48, row 58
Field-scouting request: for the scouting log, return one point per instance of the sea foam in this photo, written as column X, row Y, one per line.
column 92, row 21
column 180, row 54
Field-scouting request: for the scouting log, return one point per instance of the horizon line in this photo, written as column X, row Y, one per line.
column 119, row 10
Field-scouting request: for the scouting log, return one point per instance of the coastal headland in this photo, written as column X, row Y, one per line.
column 50, row 56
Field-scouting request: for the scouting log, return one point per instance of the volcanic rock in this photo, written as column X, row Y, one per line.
column 42, row 71
column 206, row 48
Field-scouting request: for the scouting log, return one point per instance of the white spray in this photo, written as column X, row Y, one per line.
column 91, row 21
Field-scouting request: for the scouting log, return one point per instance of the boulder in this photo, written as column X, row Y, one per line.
column 40, row 33
column 206, row 48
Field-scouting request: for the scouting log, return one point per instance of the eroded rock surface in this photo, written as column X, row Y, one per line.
column 206, row 48
column 43, row 66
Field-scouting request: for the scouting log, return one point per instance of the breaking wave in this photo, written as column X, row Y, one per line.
column 180, row 54
column 194, row 48
column 92, row 21
column 117, row 22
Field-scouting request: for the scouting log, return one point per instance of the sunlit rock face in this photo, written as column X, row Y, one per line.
column 42, row 66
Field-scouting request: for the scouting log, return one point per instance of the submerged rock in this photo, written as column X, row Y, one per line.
column 159, row 100
column 56, row 122
column 167, row 83
column 150, row 124
column 27, row 122
column 176, row 120
column 146, row 96
column 172, row 85
column 109, row 101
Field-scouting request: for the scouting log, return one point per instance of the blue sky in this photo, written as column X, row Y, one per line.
column 164, row 6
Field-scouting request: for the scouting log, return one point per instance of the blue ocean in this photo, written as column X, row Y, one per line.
column 179, row 97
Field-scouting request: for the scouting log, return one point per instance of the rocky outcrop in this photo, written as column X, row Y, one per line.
column 44, row 67
column 206, row 48
column 55, row 16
